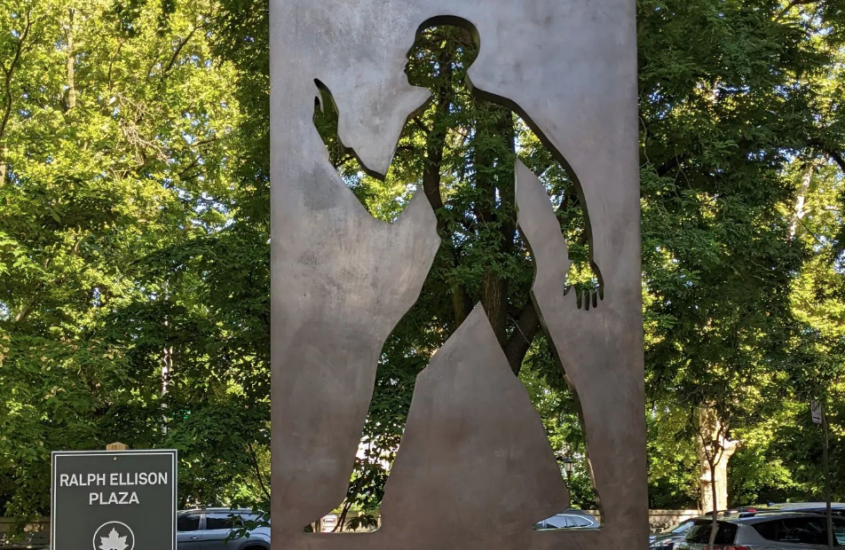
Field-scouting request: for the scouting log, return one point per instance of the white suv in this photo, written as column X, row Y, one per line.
column 766, row 530
column 220, row 529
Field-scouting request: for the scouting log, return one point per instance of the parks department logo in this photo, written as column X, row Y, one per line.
column 114, row 535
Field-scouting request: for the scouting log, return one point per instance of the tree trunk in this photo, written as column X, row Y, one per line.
column 494, row 298
column 524, row 332
column 461, row 304
column 714, row 496
column 495, row 181
column 714, row 452
column 2, row 164
column 435, row 144
column 7, row 92
column 714, row 507
column 801, row 200
column 71, row 61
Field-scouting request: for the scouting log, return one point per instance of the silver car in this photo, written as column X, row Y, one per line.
column 217, row 529
column 570, row 519
column 766, row 531
column 667, row 539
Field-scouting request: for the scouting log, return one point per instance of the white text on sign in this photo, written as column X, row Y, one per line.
column 113, row 480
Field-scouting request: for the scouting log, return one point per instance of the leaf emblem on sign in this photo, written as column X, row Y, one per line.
column 113, row 542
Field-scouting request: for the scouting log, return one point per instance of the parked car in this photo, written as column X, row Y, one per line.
column 669, row 539
column 570, row 519
column 763, row 531
column 836, row 508
column 666, row 540
column 217, row 529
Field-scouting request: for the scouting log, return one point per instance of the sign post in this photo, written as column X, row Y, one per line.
column 113, row 500
column 817, row 412
column 827, row 481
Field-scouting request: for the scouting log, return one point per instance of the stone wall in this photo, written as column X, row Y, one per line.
column 660, row 520
column 36, row 535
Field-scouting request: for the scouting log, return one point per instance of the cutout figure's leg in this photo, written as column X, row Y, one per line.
column 475, row 455
column 594, row 356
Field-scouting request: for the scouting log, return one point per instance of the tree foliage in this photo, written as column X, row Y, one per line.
column 134, row 255
column 118, row 188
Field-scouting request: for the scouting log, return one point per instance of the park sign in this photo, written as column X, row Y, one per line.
column 816, row 412
column 107, row 500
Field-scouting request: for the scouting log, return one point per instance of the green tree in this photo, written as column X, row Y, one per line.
column 115, row 156
column 728, row 114
column 134, row 257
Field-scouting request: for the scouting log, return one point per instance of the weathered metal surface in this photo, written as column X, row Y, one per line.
column 600, row 350
column 475, row 446
column 341, row 280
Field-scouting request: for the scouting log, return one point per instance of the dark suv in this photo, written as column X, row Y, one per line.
column 215, row 529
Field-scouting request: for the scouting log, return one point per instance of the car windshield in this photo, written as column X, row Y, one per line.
column 700, row 533
column 679, row 529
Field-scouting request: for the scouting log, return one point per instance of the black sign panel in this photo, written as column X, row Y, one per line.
column 114, row 500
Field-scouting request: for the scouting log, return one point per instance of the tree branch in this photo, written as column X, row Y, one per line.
column 111, row 64
column 837, row 158
column 792, row 5
column 70, row 64
column 9, row 74
column 419, row 123
column 23, row 313
column 258, row 475
column 177, row 51
column 517, row 346
column 674, row 162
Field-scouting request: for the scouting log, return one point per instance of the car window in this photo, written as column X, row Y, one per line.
column 768, row 530
column 581, row 521
column 838, row 531
column 223, row 521
column 808, row 530
column 700, row 532
column 562, row 522
column 254, row 520
column 682, row 528
column 555, row 522
column 188, row 522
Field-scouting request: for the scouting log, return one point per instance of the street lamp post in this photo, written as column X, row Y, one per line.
column 568, row 463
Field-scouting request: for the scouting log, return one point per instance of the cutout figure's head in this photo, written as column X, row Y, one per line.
column 374, row 99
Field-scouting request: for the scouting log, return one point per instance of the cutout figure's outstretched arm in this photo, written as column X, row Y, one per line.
column 594, row 351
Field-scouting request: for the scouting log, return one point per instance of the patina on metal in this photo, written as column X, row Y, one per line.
column 341, row 280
